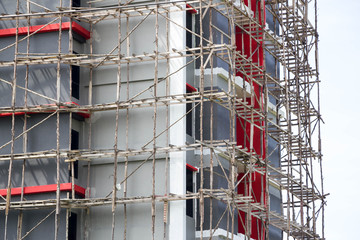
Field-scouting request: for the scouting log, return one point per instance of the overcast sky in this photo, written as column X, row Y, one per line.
column 339, row 68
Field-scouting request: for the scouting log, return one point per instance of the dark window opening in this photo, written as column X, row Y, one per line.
column 75, row 146
column 189, row 26
column 190, row 44
column 189, row 33
column 74, row 139
column 78, row 38
column 197, row 29
column 75, row 80
column 189, row 118
column 75, row 84
column 72, row 226
column 189, row 188
column 76, row 3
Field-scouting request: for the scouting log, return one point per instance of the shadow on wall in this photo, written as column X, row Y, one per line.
column 38, row 172
column 41, row 79
column 41, row 138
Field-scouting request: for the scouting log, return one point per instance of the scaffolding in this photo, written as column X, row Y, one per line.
column 295, row 125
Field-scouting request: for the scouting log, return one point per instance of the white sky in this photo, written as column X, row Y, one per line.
column 339, row 30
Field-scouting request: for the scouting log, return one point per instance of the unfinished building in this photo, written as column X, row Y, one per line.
column 160, row 120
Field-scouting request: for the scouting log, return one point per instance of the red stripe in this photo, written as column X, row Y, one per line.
column 49, row 28
column 190, row 88
column 192, row 9
column 81, row 30
column 84, row 115
column 44, row 189
column 191, row 168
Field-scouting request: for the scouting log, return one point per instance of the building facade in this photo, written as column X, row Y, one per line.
column 160, row 120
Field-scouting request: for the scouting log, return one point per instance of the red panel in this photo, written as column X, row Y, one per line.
column 249, row 47
column 258, row 182
column 191, row 168
column 44, row 189
column 49, row 28
column 80, row 30
column 191, row 9
column 190, row 88
column 84, row 115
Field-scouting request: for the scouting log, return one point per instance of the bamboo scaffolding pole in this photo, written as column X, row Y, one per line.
column 13, row 103
column 58, row 95
column 167, row 120
column 25, row 138
column 117, row 119
column 127, row 126
column 201, row 90
column 211, row 122
column 89, row 142
column 155, row 118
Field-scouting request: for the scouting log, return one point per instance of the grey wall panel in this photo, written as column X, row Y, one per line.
column 273, row 68
column 273, row 148
column 275, row 233
column 5, row 133
column 271, row 21
column 105, row 35
column 139, row 222
column 116, row 2
column 139, row 184
column 140, row 129
column 190, row 228
column 41, row 78
column 106, row 93
column 41, row 138
column 221, row 127
column 30, row 219
column 139, row 215
column 140, row 119
column 221, row 118
column 9, row 7
column 218, row 207
column 46, row 43
column 38, row 172
column 218, row 38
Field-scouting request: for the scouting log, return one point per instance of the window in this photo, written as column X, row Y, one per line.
column 189, row 188
column 75, row 84
column 75, row 146
column 189, row 106
column 76, row 3
column 72, row 226
column 189, row 117
column 189, row 26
